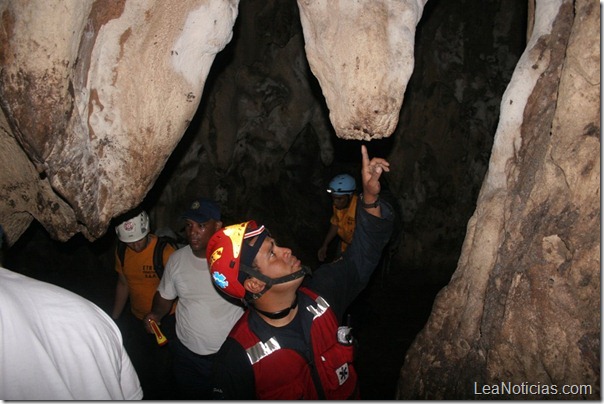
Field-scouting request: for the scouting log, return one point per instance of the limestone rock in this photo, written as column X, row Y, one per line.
column 362, row 55
column 523, row 305
column 98, row 94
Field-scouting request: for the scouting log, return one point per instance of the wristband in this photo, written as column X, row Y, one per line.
column 370, row 205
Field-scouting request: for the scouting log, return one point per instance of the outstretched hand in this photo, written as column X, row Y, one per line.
column 147, row 322
column 371, row 173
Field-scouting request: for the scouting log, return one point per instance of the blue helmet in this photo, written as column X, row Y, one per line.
column 342, row 184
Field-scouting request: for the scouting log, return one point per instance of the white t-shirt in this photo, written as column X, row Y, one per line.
column 204, row 316
column 56, row 345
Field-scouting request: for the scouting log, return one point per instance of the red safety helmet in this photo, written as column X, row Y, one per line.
column 224, row 256
column 231, row 262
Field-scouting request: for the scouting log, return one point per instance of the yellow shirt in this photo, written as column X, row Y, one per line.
column 141, row 276
column 345, row 220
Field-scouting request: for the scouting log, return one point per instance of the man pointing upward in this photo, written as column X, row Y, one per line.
column 289, row 344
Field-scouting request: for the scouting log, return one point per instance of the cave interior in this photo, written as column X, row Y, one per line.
column 465, row 53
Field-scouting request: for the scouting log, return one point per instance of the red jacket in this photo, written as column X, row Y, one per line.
column 282, row 372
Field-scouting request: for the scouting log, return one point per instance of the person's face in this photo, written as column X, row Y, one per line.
column 275, row 261
column 198, row 235
column 138, row 246
column 340, row 201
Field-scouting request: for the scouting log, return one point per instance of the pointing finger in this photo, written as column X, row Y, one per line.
column 365, row 155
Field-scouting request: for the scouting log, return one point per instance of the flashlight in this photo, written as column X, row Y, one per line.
column 159, row 336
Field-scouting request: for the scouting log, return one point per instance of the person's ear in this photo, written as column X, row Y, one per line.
column 253, row 285
column 218, row 225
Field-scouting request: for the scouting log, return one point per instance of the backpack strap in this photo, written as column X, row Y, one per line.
column 121, row 251
column 158, row 253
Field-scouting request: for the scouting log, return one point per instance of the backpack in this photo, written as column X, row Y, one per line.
column 158, row 253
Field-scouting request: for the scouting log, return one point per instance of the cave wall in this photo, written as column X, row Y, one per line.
column 523, row 306
column 466, row 52
column 261, row 139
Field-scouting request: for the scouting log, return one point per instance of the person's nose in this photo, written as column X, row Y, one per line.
column 284, row 251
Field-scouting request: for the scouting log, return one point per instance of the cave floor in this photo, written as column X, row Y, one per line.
column 386, row 317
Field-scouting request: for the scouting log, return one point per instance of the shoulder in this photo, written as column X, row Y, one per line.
column 178, row 258
column 329, row 279
column 168, row 243
column 182, row 253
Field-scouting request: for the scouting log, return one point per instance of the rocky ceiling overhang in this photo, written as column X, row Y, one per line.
column 84, row 147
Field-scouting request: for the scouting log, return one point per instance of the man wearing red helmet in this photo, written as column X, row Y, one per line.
column 289, row 344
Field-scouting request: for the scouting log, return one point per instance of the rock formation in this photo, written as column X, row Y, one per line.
column 98, row 98
column 95, row 95
column 523, row 306
column 362, row 66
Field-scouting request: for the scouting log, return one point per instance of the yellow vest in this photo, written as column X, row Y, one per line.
column 141, row 276
column 345, row 220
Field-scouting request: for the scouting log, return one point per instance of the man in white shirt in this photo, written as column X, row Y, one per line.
column 56, row 345
column 204, row 316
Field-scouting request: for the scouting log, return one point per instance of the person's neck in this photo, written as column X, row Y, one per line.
column 289, row 307
column 280, row 322
column 198, row 254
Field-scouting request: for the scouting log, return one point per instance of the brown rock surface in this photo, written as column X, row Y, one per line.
column 523, row 305
column 363, row 65
column 98, row 94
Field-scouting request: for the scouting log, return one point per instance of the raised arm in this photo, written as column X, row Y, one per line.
column 341, row 281
column 371, row 172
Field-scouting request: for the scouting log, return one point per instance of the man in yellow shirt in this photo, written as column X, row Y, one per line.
column 342, row 189
column 138, row 280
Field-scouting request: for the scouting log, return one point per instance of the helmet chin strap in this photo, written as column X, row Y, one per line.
column 281, row 313
column 302, row 272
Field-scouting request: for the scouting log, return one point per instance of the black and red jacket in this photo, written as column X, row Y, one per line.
column 284, row 370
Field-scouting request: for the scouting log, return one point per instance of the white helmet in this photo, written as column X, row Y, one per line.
column 133, row 229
